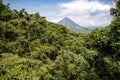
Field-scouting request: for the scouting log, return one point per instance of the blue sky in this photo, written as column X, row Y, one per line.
column 84, row 12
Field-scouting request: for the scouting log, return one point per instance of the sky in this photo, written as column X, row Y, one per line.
column 84, row 12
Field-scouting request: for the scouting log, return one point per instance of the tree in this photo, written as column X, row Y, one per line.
column 70, row 66
column 107, row 42
column 115, row 12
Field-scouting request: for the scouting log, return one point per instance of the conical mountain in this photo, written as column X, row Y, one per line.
column 71, row 25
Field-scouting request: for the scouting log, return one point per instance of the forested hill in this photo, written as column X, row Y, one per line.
column 32, row 48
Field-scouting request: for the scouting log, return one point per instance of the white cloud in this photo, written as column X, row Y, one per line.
column 86, row 12
column 84, row 6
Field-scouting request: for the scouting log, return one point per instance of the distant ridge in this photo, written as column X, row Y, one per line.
column 71, row 25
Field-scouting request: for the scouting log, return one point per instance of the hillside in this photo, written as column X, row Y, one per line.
column 31, row 48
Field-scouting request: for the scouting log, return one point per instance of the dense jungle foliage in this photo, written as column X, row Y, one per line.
column 32, row 48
